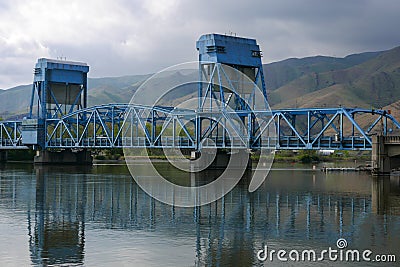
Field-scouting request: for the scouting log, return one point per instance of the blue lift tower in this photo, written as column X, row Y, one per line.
column 230, row 71
column 59, row 89
column 231, row 80
column 232, row 85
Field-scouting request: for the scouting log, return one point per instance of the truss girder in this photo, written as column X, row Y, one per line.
column 335, row 128
column 10, row 134
column 125, row 125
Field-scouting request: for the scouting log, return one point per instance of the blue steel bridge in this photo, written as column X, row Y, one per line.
column 76, row 130
column 60, row 118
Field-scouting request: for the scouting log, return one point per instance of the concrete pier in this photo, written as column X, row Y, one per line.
column 67, row 156
column 209, row 159
column 385, row 154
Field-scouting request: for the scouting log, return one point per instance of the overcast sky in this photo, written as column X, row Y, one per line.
column 121, row 37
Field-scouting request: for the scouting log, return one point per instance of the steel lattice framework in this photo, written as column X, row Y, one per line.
column 232, row 112
column 10, row 135
column 119, row 125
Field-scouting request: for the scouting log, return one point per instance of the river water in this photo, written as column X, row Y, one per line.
column 99, row 216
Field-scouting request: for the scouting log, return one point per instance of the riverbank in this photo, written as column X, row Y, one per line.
column 282, row 156
column 312, row 156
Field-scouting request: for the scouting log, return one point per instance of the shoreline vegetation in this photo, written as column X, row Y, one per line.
column 283, row 156
column 310, row 156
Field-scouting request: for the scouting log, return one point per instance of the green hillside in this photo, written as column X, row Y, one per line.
column 15, row 100
column 113, row 89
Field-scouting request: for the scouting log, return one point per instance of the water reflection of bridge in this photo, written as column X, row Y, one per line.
column 310, row 207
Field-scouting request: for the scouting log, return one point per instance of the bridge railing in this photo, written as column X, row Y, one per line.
column 321, row 128
column 125, row 125
column 326, row 142
column 128, row 142
column 10, row 134
column 392, row 140
column 121, row 125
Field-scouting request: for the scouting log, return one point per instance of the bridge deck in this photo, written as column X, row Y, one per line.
column 124, row 125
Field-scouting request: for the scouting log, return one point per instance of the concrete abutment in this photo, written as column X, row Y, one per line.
column 385, row 154
column 67, row 156
column 209, row 159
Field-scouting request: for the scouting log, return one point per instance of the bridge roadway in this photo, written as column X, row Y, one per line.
column 135, row 126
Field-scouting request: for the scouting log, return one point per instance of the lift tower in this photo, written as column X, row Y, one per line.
column 59, row 89
column 231, row 77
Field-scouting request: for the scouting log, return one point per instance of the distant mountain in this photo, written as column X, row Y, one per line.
column 278, row 74
column 372, row 83
column 15, row 100
column 113, row 89
column 365, row 80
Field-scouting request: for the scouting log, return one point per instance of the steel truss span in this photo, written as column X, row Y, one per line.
column 10, row 135
column 330, row 128
column 136, row 126
column 232, row 110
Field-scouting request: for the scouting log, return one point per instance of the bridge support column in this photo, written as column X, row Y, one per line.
column 67, row 156
column 385, row 154
column 3, row 156
column 380, row 158
column 208, row 160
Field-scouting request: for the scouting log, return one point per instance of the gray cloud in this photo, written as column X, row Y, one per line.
column 123, row 37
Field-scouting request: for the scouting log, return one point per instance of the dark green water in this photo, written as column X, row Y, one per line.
column 98, row 216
